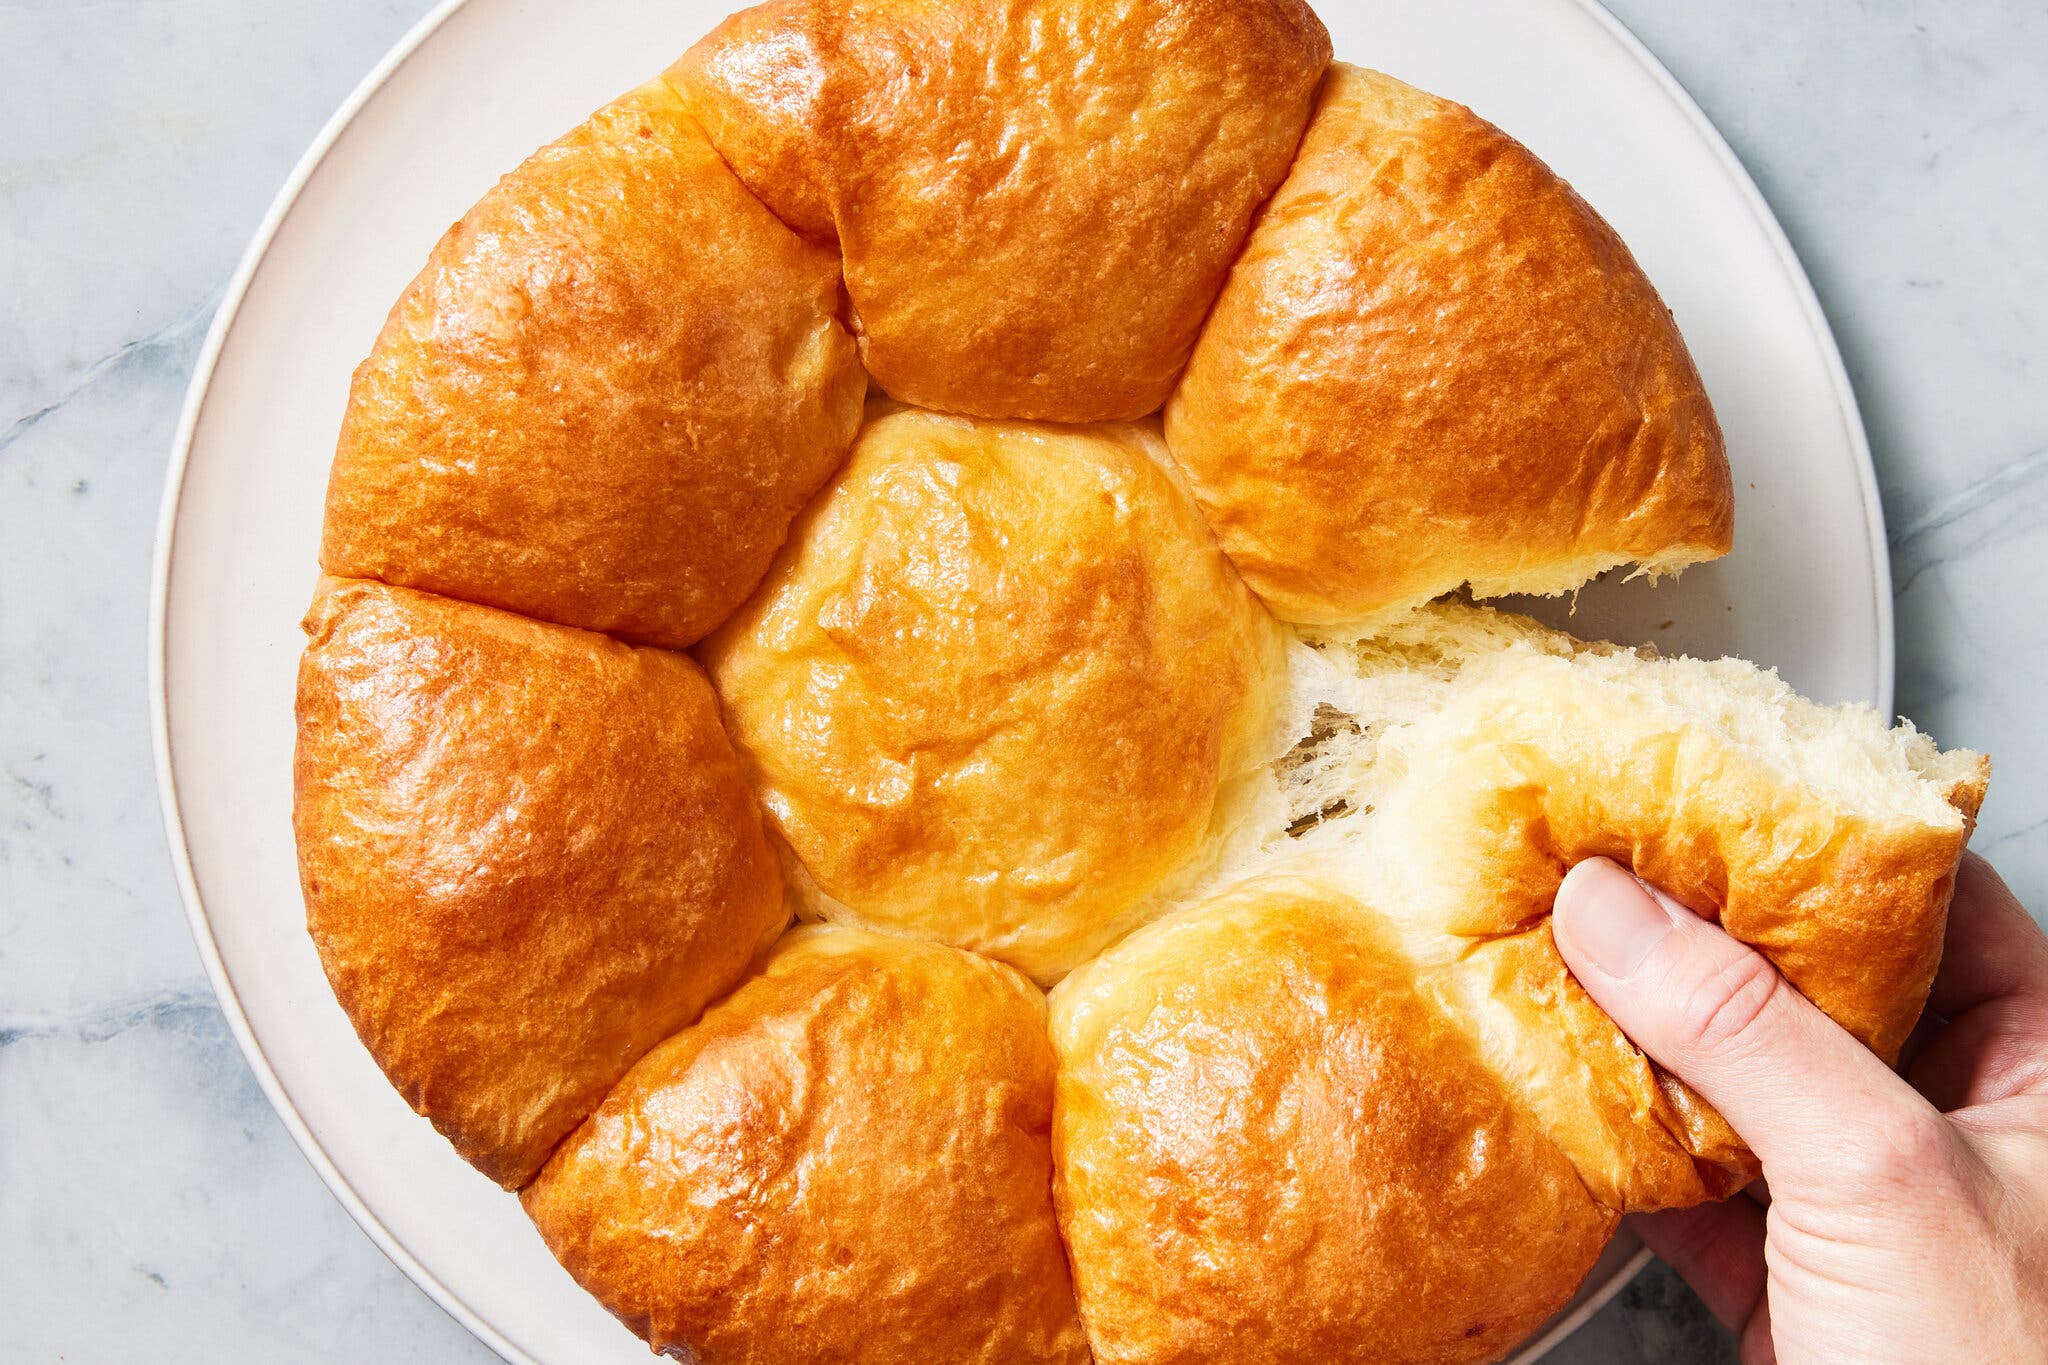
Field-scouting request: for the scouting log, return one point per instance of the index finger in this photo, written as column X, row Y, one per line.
column 1994, row 949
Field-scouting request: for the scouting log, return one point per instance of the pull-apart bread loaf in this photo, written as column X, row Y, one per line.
column 1204, row 336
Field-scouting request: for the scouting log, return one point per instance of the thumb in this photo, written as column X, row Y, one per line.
column 1715, row 1013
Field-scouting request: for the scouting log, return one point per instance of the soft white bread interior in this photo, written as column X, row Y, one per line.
column 1451, row 662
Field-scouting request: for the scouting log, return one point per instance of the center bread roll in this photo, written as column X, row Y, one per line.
column 998, row 686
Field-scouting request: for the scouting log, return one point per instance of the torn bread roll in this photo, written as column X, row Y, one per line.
column 1363, row 994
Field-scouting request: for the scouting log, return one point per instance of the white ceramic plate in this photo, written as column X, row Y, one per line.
column 480, row 84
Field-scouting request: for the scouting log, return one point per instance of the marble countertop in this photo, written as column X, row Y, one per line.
column 150, row 1202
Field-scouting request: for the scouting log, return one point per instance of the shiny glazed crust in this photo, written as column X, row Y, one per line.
column 1271, row 1147
column 527, row 852
column 1435, row 365
column 1036, row 199
column 847, row 1159
column 992, row 689
column 1333, row 1095
column 602, row 401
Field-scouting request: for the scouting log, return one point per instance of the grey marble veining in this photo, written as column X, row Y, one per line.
column 1904, row 146
column 150, row 1202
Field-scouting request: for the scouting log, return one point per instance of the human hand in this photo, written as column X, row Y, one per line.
column 1901, row 1223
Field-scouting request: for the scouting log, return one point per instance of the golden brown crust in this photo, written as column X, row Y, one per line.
column 1434, row 364
column 845, row 1160
column 528, row 855
column 1268, row 1146
column 1037, row 199
column 993, row 687
column 1638, row 1137
column 602, row 401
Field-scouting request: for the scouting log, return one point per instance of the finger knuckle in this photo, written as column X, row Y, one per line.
column 1721, row 1010
column 2012, row 1059
column 1910, row 1150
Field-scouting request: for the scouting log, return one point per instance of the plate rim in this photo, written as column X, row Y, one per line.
column 198, row 389
column 196, row 918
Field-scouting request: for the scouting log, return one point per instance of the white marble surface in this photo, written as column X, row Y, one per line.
column 151, row 1204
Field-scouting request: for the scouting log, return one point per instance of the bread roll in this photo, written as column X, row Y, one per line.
column 846, row 1159
column 1037, row 199
column 994, row 688
column 1448, row 770
column 1435, row 365
column 606, row 395
column 528, row 855
column 1271, row 1147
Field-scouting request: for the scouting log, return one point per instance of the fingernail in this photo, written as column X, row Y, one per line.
column 1609, row 916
